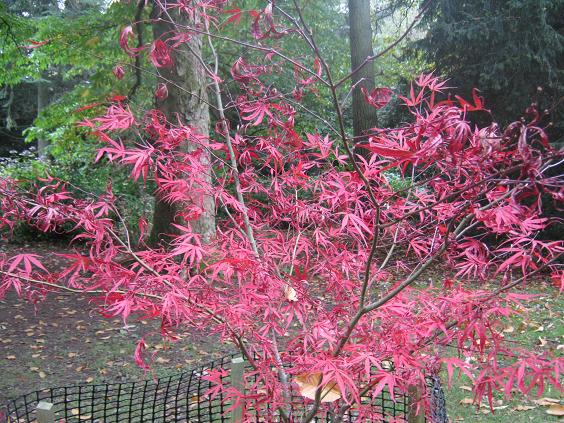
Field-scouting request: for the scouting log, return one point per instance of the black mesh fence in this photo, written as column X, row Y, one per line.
column 181, row 398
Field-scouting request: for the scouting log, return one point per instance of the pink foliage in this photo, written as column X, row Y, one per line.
column 322, row 265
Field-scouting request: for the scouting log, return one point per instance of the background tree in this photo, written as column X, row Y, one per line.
column 185, row 103
column 360, row 38
column 510, row 48
column 75, row 48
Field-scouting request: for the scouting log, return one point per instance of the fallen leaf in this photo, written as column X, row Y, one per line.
column 290, row 294
column 11, row 357
column 466, row 388
column 42, row 375
column 72, row 354
column 542, row 342
column 556, row 410
column 467, row 401
column 308, row 383
column 162, row 360
column 509, row 329
column 524, row 407
column 90, row 379
column 546, row 401
column 75, row 411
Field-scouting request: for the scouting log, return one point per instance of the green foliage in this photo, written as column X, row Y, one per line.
column 80, row 52
column 505, row 48
column 75, row 166
column 81, row 49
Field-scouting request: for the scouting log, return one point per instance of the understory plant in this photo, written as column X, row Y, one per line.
column 318, row 269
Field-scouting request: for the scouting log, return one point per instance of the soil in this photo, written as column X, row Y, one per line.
column 63, row 340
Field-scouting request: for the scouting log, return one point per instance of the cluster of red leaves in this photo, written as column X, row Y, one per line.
column 334, row 287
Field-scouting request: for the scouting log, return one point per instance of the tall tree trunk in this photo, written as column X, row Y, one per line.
column 364, row 115
column 42, row 102
column 187, row 76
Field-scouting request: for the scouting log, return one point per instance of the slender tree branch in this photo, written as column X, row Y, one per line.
column 137, row 66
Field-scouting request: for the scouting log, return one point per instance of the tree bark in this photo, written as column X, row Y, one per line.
column 360, row 36
column 187, row 76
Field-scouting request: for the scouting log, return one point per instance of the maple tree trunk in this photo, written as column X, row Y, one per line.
column 360, row 35
column 187, row 101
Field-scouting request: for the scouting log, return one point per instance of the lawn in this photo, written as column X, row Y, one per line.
column 541, row 328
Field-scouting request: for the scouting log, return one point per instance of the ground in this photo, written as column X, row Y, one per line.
column 64, row 341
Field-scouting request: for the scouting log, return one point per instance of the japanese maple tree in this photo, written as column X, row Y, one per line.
column 317, row 272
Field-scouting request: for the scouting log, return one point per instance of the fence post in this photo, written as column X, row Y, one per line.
column 415, row 395
column 45, row 412
column 237, row 371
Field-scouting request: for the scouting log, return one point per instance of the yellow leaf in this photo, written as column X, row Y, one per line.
column 542, row 342
column 524, row 407
column 290, row 293
column 466, row 401
column 546, row 401
column 509, row 329
column 76, row 412
column 92, row 42
column 556, row 410
column 162, row 360
column 42, row 375
column 72, row 354
column 466, row 388
column 11, row 357
column 308, row 383
column 90, row 379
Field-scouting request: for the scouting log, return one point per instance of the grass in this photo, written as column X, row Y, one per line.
column 539, row 328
